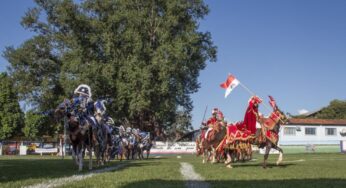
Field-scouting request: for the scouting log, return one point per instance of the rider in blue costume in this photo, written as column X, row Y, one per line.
column 83, row 107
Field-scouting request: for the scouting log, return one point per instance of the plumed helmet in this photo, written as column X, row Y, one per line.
column 83, row 89
column 128, row 129
column 255, row 100
column 134, row 131
column 215, row 111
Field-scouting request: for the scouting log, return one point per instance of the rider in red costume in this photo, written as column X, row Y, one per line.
column 251, row 115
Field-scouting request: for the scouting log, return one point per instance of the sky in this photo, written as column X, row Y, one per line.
column 293, row 50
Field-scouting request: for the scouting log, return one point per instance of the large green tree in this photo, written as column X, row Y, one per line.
column 145, row 56
column 37, row 125
column 335, row 110
column 11, row 116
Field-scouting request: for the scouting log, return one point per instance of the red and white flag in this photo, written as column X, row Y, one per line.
column 230, row 84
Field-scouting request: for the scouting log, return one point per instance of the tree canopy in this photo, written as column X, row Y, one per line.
column 335, row 110
column 11, row 116
column 144, row 56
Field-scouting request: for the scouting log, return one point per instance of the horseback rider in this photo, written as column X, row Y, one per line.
column 252, row 114
column 83, row 100
column 212, row 120
column 107, row 121
column 83, row 107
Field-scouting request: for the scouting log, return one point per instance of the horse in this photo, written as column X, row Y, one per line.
column 145, row 144
column 117, row 149
column 200, row 150
column 212, row 141
column 270, row 134
column 79, row 133
column 103, row 132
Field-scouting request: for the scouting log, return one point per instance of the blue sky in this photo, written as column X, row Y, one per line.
column 293, row 50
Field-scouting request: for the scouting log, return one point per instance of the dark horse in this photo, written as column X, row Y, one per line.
column 80, row 134
column 144, row 145
column 269, row 136
column 103, row 131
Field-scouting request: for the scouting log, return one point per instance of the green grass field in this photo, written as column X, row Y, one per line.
column 297, row 170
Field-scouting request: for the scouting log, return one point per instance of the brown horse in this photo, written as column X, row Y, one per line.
column 269, row 136
column 80, row 135
column 213, row 139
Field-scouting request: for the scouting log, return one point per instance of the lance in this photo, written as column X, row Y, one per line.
column 205, row 111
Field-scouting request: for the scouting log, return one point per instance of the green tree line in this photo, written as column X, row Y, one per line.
column 144, row 56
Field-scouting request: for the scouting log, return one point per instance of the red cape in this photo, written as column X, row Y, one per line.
column 250, row 118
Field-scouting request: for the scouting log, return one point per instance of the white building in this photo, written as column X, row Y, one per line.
column 312, row 131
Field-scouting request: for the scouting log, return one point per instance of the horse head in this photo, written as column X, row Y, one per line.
column 100, row 107
column 63, row 109
column 280, row 118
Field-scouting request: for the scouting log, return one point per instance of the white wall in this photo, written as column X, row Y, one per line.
column 320, row 138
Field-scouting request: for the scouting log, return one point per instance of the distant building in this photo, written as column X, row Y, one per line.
column 312, row 131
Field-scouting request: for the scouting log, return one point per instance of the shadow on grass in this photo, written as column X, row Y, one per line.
column 254, row 164
column 296, row 183
column 20, row 168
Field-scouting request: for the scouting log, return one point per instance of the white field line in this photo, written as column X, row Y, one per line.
column 327, row 159
column 61, row 181
column 193, row 179
column 294, row 161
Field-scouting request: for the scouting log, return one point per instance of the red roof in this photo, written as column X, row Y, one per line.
column 295, row 121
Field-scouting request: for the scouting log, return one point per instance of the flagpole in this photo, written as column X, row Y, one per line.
column 252, row 93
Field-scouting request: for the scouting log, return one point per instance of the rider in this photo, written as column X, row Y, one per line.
column 108, row 122
column 212, row 120
column 252, row 115
column 83, row 106
column 82, row 101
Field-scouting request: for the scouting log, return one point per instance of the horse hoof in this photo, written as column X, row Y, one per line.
column 229, row 166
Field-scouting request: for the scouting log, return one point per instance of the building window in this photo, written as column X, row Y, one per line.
column 331, row 131
column 290, row 131
column 310, row 131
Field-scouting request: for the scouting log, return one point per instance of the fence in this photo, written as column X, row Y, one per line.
column 27, row 147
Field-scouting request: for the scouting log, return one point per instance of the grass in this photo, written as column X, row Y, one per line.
column 299, row 170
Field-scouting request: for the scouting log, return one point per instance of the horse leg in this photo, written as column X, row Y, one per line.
column 74, row 157
column 229, row 159
column 80, row 157
column 280, row 154
column 268, row 147
column 148, row 152
column 214, row 155
column 90, row 158
column 204, row 155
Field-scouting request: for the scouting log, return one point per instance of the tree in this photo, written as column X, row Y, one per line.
column 37, row 125
column 11, row 116
column 335, row 110
column 145, row 56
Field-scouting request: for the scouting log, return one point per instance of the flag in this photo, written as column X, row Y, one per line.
column 272, row 101
column 230, row 84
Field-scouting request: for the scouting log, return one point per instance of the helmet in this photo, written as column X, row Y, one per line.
column 255, row 100
column 83, row 89
column 214, row 111
column 128, row 129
